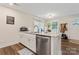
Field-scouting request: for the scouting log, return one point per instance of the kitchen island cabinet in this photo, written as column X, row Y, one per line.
column 30, row 41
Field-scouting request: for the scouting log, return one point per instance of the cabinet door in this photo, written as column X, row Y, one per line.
column 29, row 41
column 56, row 45
column 32, row 42
column 24, row 39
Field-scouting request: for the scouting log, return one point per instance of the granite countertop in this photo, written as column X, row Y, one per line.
column 47, row 34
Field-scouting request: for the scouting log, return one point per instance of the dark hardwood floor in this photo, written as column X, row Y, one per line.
column 69, row 48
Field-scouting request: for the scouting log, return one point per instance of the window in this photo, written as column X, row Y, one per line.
column 38, row 26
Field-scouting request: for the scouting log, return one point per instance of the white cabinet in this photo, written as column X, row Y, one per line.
column 56, row 45
column 32, row 41
column 29, row 40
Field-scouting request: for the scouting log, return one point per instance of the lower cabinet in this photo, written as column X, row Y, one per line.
column 29, row 41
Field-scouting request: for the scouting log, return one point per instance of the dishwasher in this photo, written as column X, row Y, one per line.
column 43, row 45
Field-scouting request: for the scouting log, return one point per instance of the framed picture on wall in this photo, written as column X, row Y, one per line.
column 10, row 20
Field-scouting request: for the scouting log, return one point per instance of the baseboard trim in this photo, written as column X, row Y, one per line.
column 28, row 48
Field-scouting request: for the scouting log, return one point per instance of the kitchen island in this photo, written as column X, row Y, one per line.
column 43, row 43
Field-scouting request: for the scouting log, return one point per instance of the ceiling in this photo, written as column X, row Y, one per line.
column 43, row 9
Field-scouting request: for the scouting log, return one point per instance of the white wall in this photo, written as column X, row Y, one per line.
column 9, row 34
column 73, row 32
